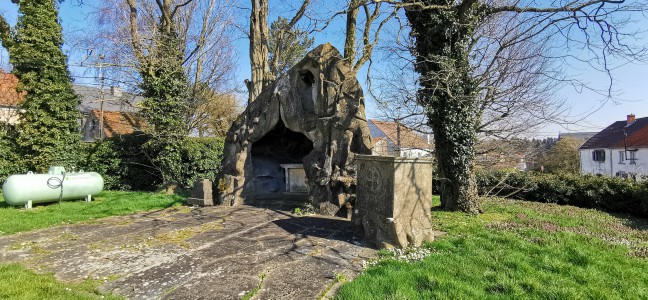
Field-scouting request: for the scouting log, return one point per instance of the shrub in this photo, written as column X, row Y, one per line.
column 122, row 162
column 8, row 156
column 201, row 158
column 613, row 194
column 125, row 164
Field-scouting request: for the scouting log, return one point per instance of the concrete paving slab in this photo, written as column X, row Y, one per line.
column 198, row 253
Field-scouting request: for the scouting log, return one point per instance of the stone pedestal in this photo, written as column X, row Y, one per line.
column 394, row 199
column 201, row 194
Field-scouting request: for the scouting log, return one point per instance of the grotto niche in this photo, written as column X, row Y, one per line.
column 307, row 125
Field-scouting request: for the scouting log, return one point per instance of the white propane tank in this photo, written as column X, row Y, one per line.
column 41, row 188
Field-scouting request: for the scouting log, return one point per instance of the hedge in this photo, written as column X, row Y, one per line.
column 610, row 193
column 122, row 162
column 125, row 165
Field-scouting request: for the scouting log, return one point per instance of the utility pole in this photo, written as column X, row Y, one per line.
column 398, row 137
column 101, row 101
column 100, row 65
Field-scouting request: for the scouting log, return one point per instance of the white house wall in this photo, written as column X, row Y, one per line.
column 611, row 166
column 414, row 152
column 9, row 115
column 639, row 167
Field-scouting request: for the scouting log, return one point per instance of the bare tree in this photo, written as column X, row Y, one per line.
column 203, row 28
column 516, row 82
column 366, row 18
column 259, row 38
column 215, row 114
column 446, row 48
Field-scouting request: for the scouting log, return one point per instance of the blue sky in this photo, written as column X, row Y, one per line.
column 592, row 111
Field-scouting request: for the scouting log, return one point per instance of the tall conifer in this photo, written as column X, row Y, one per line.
column 48, row 132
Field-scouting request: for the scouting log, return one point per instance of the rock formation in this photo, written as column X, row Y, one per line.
column 314, row 115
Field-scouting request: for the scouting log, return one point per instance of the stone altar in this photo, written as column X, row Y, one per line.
column 394, row 200
column 296, row 181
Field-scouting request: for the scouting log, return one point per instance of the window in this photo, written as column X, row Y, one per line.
column 598, row 155
column 621, row 157
column 632, row 158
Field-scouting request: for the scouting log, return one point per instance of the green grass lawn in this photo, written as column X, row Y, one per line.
column 518, row 250
column 109, row 203
column 16, row 282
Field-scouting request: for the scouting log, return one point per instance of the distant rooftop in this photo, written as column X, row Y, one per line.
column 389, row 130
column 113, row 98
column 119, row 123
column 8, row 94
column 620, row 135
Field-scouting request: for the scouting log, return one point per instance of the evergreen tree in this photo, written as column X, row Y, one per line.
column 286, row 46
column 164, row 87
column 564, row 156
column 48, row 132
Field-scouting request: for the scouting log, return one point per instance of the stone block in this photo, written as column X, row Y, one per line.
column 394, row 199
column 201, row 194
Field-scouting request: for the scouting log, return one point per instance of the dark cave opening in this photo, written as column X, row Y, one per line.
column 279, row 147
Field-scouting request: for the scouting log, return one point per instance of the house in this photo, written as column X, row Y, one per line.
column 119, row 112
column 392, row 139
column 620, row 150
column 119, row 108
column 114, row 123
column 9, row 98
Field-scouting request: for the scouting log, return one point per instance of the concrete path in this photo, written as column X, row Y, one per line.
column 198, row 253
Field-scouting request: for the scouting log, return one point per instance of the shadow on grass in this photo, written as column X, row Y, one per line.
column 631, row 221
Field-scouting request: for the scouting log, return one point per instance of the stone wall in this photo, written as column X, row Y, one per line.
column 319, row 98
column 394, row 200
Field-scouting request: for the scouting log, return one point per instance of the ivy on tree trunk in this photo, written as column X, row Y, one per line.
column 449, row 94
column 164, row 87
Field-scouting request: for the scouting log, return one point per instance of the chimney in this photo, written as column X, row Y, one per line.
column 631, row 119
column 115, row 91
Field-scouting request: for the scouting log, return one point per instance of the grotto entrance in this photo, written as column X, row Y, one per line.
column 277, row 164
column 319, row 98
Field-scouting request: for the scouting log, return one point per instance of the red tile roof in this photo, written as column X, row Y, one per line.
column 8, row 94
column 376, row 139
column 408, row 138
column 636, row 136
column 120, row 123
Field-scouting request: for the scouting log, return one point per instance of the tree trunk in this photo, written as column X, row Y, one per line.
column 351, row 26
column 259, row 49
column 449, row 94
column 455, row 165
